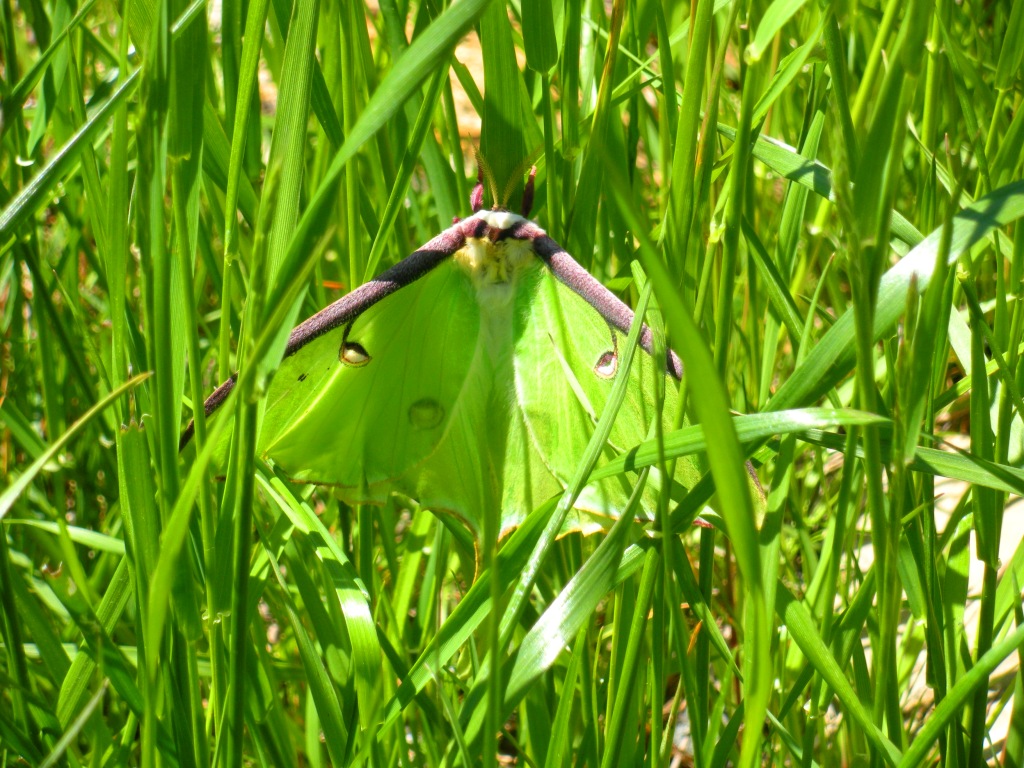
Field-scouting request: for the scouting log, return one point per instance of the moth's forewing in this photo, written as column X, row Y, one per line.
column 361, row 406
column 567, row 357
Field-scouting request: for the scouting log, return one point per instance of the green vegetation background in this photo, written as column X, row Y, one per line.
column 824, row 197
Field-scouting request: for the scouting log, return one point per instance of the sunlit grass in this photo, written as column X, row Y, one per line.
column 825, row 201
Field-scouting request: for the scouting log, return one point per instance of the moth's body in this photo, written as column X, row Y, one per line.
column 496, row 268
column 469, row 376
column 492, row 262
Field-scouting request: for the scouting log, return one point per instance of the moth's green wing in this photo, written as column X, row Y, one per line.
column 364, row 423
column 528, row 480
column 467, row 398
column 565, row 361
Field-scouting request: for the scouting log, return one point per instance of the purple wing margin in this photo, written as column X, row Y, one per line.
column 350, row 306
column 590, row 289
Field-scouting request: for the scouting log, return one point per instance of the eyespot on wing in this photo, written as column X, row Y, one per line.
column 606, row 366
column 353, row 354
column 426, row 413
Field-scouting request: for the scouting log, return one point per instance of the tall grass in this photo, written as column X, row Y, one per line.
column 824, row 199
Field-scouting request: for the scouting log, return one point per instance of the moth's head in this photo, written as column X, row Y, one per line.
column 484, row 174
column 494, row 256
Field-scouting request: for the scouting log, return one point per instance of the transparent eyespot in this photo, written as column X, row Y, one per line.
column 354, row 355
column 607, row 365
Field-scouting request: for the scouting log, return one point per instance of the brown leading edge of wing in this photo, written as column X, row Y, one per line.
column 351, row 305
column 569, row 272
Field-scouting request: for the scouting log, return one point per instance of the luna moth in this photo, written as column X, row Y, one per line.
column 468, row 376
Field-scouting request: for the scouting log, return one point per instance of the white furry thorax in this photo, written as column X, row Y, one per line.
column 495, row 264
